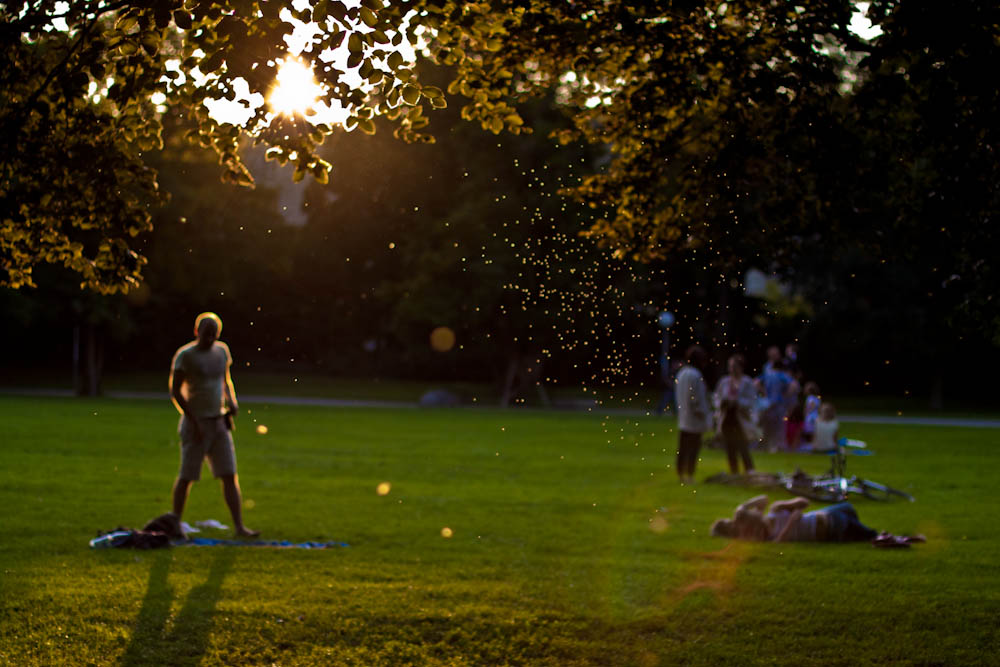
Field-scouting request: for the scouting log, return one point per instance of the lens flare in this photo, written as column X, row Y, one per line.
column 296, row 90
column 442, row 339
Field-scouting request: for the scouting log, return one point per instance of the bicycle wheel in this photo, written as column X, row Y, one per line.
column 754, row 479
column 876, row 491
column 823, row 490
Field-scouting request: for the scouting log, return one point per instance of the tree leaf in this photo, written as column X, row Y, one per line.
column 410, row 94
column 182, row 20
column 321, row 173
column 368, row 17
column 213, row 62
column 126, row 22
column 354, row 43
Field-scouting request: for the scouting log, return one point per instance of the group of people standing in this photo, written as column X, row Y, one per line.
column 734, row 399
column 743, row 410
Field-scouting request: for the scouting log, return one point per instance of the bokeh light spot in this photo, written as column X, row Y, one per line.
column 442, row 339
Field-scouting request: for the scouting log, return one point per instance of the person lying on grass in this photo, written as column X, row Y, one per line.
column 786, row 521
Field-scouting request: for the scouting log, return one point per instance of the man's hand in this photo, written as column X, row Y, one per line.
column 758, row 503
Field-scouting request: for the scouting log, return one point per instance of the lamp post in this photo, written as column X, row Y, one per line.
column 665, row 320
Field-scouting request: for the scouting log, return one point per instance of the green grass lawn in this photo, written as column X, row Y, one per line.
column 572, row 544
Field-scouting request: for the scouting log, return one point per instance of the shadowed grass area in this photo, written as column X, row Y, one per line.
column 572, row 544
column 309, row 383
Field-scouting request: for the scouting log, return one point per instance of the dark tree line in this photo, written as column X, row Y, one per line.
column 701, row 139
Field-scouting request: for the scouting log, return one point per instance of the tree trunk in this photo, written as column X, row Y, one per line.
column 531, row 372
column 510, row 379
column 521, row 374
column 937, row 391
column 88, row 360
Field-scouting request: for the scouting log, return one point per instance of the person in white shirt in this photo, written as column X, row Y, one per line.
column 826, row 433
column 201, row 389
column 693, row 412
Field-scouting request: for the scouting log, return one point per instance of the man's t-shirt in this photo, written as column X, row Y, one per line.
column 204, row 377
column 803, row 531
column 776, row 385
column 692, row 401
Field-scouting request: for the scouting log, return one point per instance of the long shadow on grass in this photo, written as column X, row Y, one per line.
column 188, row 638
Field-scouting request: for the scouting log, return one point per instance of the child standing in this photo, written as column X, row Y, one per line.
column 827, row 427
column 811, row 412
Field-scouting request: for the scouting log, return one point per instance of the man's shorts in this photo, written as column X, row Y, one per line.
column 216, row 445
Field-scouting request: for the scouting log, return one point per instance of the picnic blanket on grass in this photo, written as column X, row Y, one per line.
column 278, row 544
column 167, row 530
column 127, row 538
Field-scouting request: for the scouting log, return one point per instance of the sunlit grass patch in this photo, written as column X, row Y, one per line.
column 571, row 543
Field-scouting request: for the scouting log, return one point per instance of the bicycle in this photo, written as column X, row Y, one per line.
column 834, row 486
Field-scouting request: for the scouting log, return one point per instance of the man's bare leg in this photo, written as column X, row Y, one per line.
column 234, row 499
column 181, row 489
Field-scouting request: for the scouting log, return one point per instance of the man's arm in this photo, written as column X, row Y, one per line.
column 792, row 505
column 717, row 395
column 792, row 520
column 758, row 503
column 230, row 392
column 176, row 382
column 701, row 389
column 747, row 395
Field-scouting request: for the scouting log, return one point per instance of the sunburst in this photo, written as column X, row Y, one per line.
column 295, row 90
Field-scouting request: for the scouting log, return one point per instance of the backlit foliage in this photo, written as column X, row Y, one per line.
column 730, row 128
column 82, row 82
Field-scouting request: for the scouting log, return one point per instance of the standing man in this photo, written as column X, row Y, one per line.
column 202, row 391
column 779, row 388
column 773, row 357
column 693, row 411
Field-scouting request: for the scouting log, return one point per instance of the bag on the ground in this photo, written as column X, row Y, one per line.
column 126, row 538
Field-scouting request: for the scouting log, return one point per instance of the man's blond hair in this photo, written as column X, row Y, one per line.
column 208, row 316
